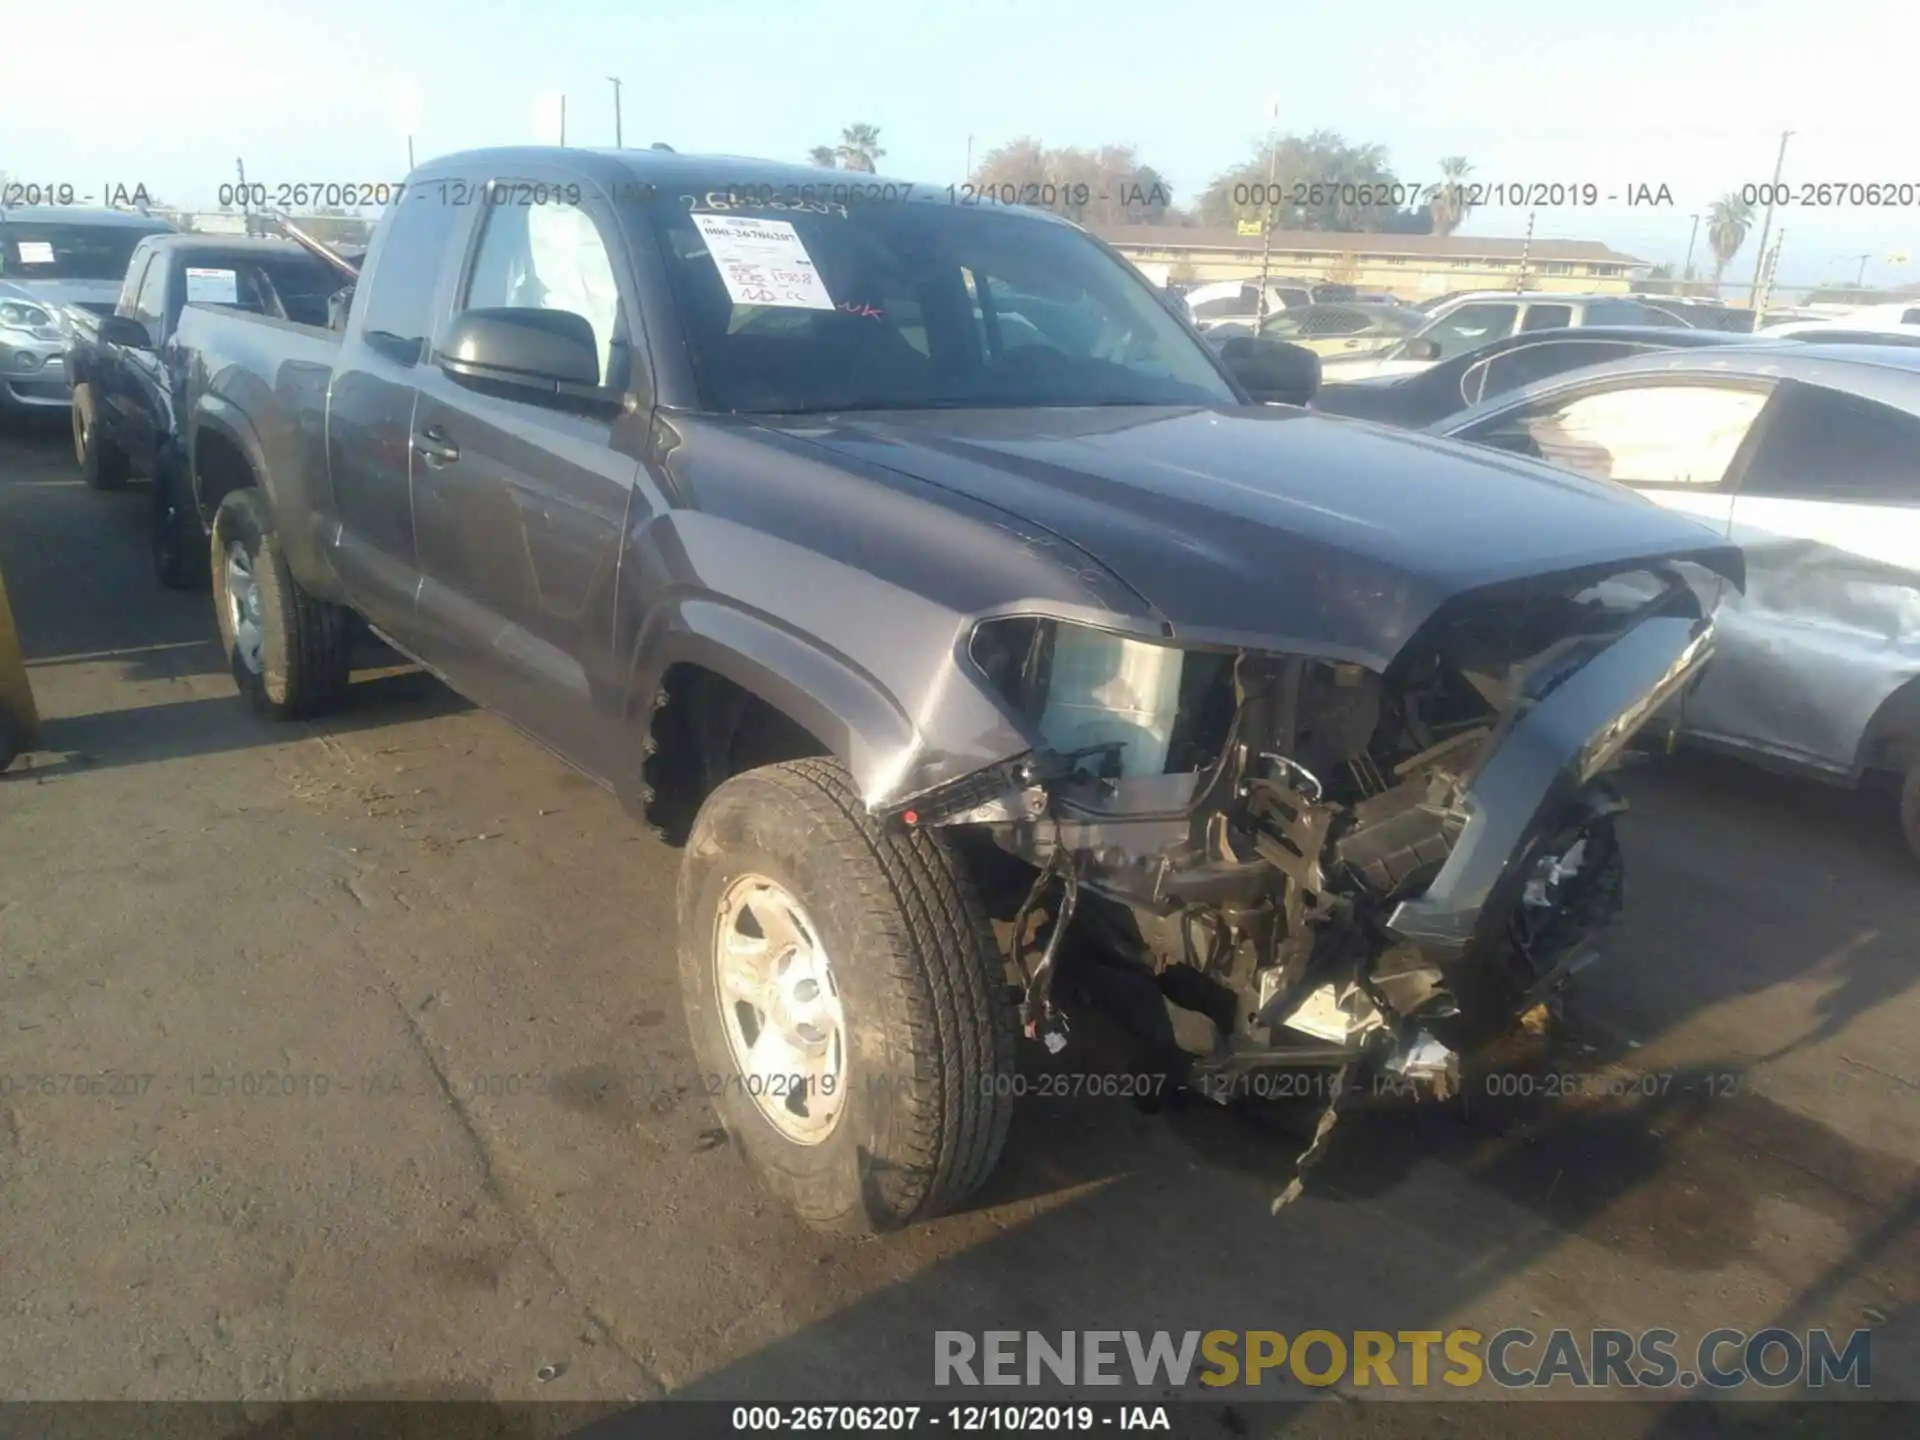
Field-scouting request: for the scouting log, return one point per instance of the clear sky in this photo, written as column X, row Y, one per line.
column 1688, row 93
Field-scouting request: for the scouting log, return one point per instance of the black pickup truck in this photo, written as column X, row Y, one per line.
column 126, row 367
column 916, row 568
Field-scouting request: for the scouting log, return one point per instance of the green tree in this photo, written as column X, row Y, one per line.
column 1108, row 186
column 823, row 155
column 859, row 148
column 1727, row 225
column 1322, row 183
column 1447, row 200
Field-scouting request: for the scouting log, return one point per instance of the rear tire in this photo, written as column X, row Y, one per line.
column 288, row 651
column 906, row 954
column 103, row 464
column 181, row 560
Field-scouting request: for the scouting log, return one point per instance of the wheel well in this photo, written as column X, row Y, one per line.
column 220, row 468
column 705, row 728
column 1892, row 738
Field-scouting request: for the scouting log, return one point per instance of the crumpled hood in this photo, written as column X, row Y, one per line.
column 1273, row 527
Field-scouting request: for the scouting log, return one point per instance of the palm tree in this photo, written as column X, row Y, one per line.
column 1727, row 226
column 1447, row 201
column 859, row 147
column 824, row 156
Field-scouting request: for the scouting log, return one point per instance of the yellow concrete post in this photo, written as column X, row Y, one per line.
column 19, row 720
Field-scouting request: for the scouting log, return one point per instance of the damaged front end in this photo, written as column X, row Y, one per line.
column 1286, row 861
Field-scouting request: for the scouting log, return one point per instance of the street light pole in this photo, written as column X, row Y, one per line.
column 616, row 112
column 1526, row 250
column 1266, row 229
column 1861, row 279
column 1766, row 226
column 1686, row 270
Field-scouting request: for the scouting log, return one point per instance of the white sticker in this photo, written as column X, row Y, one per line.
column 212, row 287
column 763, row 263
column 36, row 252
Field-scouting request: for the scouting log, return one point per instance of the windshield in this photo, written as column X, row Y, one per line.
column 31, row 250
column 910, row 306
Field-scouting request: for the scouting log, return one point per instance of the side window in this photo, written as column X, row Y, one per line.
column 397, row 311
column 1470, row 327
column 149, row 306
column 547, row 257
column 1225, row 305
column 1649, row 435
column 130, row 287
column 1528, row 363
column 1547, row 317
column 1824, row 444
column 1910, row 317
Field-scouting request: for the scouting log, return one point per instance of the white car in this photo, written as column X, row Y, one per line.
column 1472, row 321
column 1902, row 318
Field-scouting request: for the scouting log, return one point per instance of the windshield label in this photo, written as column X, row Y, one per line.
column 212, row 287
column 763, row 262
column 36, row 252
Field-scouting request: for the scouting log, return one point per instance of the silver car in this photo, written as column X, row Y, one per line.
column 57, row 266
column 1807, row 456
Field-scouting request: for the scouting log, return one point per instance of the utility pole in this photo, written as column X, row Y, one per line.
column 969, row 174
column 563, row 120
column 1766, row 225
column 1770, row 267
column 1266, row 229
column 1686, row 270
column 1526, row 249
column 246, row 215
column 616, row 112
column 1861, row 279
column 409, row 154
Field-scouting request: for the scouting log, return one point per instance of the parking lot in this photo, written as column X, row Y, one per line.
column 414, row 1112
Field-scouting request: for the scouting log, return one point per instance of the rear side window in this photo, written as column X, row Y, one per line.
column 404, row 273
column 1825, row 444
column 1547, row 317
column 1645, row 435
column 1470, row 327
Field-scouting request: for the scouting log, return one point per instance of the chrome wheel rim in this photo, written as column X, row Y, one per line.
column 80, row 428
column 243, row 608
column 780, row 1009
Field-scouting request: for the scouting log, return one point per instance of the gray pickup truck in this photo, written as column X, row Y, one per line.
column 916, row 569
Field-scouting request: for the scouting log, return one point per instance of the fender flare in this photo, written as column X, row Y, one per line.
column 224, row 418
column 847, row 710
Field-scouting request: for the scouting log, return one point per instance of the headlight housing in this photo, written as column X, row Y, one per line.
column 1084, row 689
column 18, row 315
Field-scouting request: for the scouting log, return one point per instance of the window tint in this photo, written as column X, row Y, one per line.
column 405, row 274
column 1528, row 363
column 1547, row 317
column 150, row 304
column 1649, row 435
column 1825, row 444
column 547, row 257
column 1225, row 305
column 1470, row 327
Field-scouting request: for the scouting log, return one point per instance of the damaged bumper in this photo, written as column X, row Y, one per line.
column 1315, row 895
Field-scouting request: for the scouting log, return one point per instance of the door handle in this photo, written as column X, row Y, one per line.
column 433, row 446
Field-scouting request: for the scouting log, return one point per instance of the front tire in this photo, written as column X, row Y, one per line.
column 288, row 651
column 817, row 943
column 103, row 464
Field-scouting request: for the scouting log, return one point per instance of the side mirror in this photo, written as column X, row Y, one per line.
column 1272, row 372
column 1420, row 348
column 544, row 352
column 125, row 331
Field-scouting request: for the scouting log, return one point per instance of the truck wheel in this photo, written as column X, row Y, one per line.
column 288, row 651
column 846, row 1000
column 1910, row 806
column 179, row 545
column 103, row 464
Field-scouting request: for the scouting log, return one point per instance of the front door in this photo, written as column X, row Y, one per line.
column 520, row 502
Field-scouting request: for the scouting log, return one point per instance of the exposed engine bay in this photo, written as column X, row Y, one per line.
column 1291, row 861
